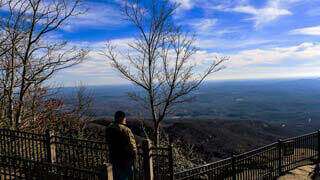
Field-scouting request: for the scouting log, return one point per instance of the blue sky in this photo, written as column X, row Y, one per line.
column 263, row 38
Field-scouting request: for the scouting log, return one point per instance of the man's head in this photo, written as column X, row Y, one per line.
column 120, row 117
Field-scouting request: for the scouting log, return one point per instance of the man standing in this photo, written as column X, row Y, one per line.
column 122, row 147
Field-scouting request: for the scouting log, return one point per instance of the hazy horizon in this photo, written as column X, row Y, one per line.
column 127, row 83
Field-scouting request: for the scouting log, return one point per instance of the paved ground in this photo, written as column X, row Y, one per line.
column 301, row 173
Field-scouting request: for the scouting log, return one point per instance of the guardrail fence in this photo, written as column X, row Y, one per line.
column 267, row 162
column 78, row 153
column 35, row 156
column 17, row 168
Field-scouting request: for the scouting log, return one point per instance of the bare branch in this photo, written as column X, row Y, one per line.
column 29, row 57
column 161, row 60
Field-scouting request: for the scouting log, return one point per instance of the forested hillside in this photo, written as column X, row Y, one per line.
column 270, row 100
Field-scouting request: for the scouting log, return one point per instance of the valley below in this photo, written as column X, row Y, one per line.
column 225, row 118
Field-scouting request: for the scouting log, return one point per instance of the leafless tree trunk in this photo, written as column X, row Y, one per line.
column 81, row 109
column 33, row 57
column 83, row 103
column 160, row 60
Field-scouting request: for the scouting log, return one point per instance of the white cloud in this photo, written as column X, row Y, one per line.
column 209, row 42
column 256, row 62
column 203, row 25
column 301, row 60
column 184, row 4
column 273, row 9
column 266, row 73
column 264, row 15
column 97, row 15
column 305, row 53
column 312, row 31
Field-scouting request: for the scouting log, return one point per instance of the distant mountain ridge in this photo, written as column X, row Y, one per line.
column 215, row 139
column 270, row 100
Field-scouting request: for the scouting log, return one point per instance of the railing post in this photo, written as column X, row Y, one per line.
column 318, row 137
column 233, row 167
column 107, row 172
column 47, row 145
column 147, row 160
column 279, row 157
column 10, row 144
column 53, row 147
column 171, row 167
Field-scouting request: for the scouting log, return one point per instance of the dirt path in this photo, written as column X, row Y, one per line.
column 300, row 173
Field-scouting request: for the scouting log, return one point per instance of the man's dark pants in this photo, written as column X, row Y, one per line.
column 122, row 172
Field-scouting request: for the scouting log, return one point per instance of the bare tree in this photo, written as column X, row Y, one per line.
column 3, row 46
column 33, row 56
column 160, row 60
column 83, row 103
column 64, row 115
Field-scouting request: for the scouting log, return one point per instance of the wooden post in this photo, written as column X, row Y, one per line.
column 171, row 168
column 233, row 167
column 109, row 172
column 147, row 160
column 53, row 148
column 318, row 137
column 106, row 172
column 279, row 157
column 47, row 145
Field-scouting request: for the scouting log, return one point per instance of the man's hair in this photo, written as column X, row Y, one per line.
column 119, row 115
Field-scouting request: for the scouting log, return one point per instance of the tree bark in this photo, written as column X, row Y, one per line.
column 156, row 134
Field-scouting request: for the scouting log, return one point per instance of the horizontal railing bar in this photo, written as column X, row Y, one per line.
column 256, row 150
column 300, row 160
column 297, row 137
column 206, row 165
column 14, row 131
column 44, row 163
column 76, row 140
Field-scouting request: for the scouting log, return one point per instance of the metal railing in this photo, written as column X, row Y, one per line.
column 22, row 153
column 162, row 162
column 18, row 168
column 25, row 145
column 78, row 153
column 25, row 155
column 47, row 151
column 53, row 149
column 268, row 162
column 154, row 162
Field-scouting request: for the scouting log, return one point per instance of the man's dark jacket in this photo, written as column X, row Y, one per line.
column 122, row 144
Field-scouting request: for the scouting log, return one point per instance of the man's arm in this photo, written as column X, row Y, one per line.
column 132, row 142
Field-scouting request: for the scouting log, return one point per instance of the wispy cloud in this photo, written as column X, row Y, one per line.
column 97, row 15
column 185, row 4
column 307, row 52
column 312, row 31
column 232, row 44
column 263, row 15
column 204, row 25
column 259, row 62
column 222, row 29
column 271, row 11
